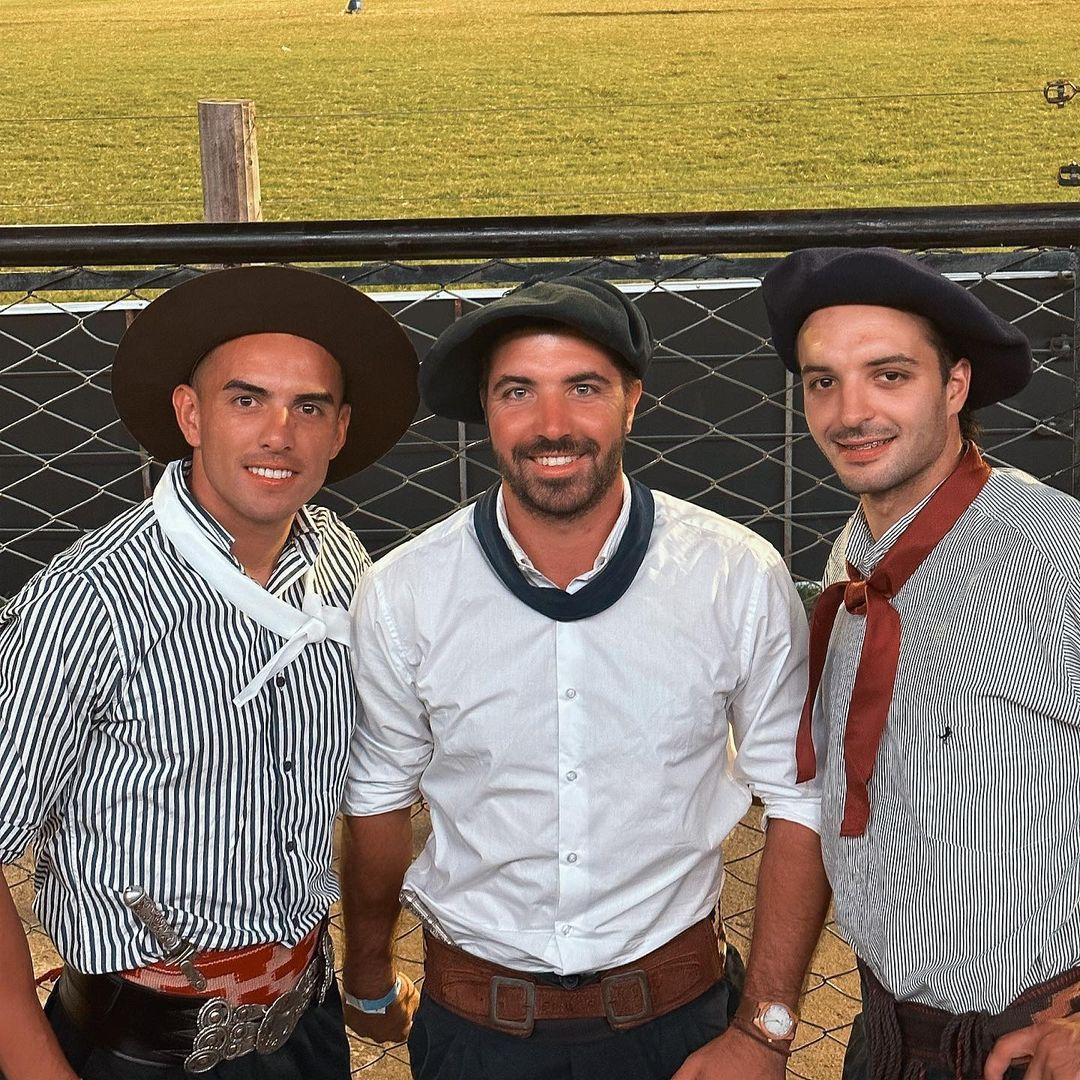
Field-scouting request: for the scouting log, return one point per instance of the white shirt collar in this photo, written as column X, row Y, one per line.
column 607, row 549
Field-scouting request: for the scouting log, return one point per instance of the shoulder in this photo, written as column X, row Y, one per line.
column 67, row 586
column 431, row 550
column 1038, row 518
column 339, row 543
column 694, row 528
column 420, row 578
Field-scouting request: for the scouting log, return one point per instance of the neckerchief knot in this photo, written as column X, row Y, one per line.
column 871, row 598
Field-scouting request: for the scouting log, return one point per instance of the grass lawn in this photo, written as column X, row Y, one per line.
column 416, row 108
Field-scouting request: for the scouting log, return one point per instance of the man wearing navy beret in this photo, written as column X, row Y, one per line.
column 557, row 669
column 944, row 678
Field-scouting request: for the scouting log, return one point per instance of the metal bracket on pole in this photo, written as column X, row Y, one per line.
column 1059, row 92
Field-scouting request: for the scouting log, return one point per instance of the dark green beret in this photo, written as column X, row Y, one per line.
column 450, row 373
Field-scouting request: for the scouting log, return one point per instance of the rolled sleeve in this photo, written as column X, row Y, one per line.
column 765, row 712
column 57, row 657
column 391, row 744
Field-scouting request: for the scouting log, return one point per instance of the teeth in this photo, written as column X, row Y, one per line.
column 562, row 460
column 270, row 474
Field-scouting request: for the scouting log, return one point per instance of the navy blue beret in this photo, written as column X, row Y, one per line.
column 815, row 278
column 450, row 373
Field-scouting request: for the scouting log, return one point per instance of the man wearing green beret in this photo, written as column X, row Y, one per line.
column 557, row 670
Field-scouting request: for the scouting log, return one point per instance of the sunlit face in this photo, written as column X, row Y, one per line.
column 875, row 400
column 264, row 416
column 558, row 413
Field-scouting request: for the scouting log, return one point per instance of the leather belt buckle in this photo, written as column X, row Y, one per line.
column 608, row 986
column 514, row 1027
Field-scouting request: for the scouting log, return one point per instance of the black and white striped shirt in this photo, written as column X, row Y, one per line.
column 965, row 889
column 124, row 762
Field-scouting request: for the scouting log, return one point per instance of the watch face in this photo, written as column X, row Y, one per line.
column 776, row 1020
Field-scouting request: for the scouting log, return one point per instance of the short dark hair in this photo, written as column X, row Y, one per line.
column 948, row 358
column 515, row 327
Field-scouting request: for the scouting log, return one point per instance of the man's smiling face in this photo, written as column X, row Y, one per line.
column 558, row 411
column 265, row 416
column 876, row 401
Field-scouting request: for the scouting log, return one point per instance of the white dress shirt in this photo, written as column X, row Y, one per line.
column 578, row 773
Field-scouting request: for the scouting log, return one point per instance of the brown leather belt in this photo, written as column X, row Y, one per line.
column 956, row 1044
column 627, row 996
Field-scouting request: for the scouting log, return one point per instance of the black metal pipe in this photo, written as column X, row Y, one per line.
column 1021, row 225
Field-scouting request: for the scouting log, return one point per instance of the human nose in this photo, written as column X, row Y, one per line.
column 553, row 416
column 855, row 405
column 277, row 430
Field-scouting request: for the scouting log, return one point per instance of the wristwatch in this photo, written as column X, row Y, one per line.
column 775, row 1021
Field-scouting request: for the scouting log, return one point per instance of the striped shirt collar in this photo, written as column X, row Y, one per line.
column 863, row 551
column 301, row 550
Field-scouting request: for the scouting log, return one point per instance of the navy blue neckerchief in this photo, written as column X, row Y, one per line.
column 601, row 592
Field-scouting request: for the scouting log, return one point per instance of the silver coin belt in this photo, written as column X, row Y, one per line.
column 225, row 1031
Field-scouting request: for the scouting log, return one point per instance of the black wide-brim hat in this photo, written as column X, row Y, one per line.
column 173, row 333
column 815, row 278
column 450, row 373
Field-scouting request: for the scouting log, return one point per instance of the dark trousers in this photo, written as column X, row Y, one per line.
column 317, row 1050
column 443, row 1046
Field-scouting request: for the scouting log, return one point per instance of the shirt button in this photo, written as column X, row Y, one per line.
column 572, row 857
column 290, row 845
column 564, row 931
column 280, row 680
column 571, row 694
column 571, row 775
column 287, row 765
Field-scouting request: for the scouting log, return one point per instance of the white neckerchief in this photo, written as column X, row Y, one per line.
column 300, row 627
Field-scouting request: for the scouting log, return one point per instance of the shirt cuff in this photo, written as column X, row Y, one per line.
column 365, row 798
column 802, row 811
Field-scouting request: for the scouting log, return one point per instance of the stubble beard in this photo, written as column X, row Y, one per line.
column 561, row 499
column 910, row 462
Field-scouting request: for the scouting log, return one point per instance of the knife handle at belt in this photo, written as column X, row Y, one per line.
column 177, row 950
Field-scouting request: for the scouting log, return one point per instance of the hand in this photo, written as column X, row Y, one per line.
column 393, row 1025
column 734, row 1054
column 1052, row 1045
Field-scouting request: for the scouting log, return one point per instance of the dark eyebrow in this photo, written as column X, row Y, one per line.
column 314, row 397
column 897, row 358
column 587, row 376
column 246, row 387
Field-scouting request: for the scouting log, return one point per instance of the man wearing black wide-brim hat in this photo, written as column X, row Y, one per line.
column 558, row 669
column 177, row 705
column 945, row 677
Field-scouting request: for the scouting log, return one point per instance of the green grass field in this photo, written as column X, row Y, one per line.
column 417, row 108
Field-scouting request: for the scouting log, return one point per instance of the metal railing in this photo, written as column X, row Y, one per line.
column 720, row 422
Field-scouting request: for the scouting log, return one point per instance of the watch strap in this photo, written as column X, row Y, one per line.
column 778, row 1046
column 375, row 1005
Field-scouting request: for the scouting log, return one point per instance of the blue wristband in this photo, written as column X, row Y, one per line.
column 375, row 1005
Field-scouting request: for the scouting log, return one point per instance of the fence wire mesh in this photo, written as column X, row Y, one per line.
column 720, row 424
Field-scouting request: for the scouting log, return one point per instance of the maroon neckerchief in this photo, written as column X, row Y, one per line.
column 876, row 674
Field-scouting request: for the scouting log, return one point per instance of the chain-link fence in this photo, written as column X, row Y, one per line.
column 720, row 424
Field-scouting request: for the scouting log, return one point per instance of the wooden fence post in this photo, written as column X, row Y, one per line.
column 230, row 161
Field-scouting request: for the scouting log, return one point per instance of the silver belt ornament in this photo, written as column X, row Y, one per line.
column 225, row 1031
